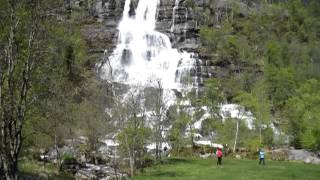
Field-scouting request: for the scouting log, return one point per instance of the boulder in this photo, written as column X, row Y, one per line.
column 307, row 161
column 238, row 156
column 91, row 171
column 70, row 165
column 280, row 154
column 303, row 155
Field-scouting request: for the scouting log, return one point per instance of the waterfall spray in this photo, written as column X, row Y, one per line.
column 144, row 55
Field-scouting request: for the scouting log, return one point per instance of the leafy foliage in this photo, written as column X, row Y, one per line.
column 271, row 56
column 303, row 113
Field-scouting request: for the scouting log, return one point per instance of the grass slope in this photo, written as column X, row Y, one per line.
column 33, row 170
column 198, row 169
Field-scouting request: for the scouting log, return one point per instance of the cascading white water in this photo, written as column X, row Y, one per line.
column 176, row 6
column 144, row 55
column 185, row 24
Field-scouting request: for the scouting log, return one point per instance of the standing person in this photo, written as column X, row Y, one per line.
column 261, row 156
column 219, row 155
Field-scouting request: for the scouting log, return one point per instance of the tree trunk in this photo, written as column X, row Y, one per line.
column 260, row 134
column 131, row 156
column 157, row 151
column 191, row 137
column 115, row 163
column 236, row 138
column 57, row 151
column 10, row 168
column 131, row 159
column 158, row 142
column 160, row 145
column 12, row 110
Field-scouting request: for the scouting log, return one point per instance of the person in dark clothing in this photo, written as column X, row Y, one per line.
column 261, row 157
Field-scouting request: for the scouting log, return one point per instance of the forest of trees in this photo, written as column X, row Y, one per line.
column 273, row 55
column 48, row 89
column 50, row 92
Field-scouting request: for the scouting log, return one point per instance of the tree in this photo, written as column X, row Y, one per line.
column 61, row 92
column 258, row 103
column 213, row 96
column 159, row 110
column 303, row 116
column 177, row 132
column 134, row 134
column 22, row 46
column 226, row 131
column 41, row 77
column 241, row 113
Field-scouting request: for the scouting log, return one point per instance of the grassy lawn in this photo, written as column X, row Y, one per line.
column 199, row 169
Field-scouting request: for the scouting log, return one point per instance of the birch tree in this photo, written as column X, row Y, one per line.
column 160, row 109
column 20, row 48
column 134, row 134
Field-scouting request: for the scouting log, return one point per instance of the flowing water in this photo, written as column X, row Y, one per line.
column 176, row 6
column 144, row 56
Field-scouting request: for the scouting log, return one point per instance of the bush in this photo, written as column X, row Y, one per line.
column 184, row 152
column 253, row 144
column 67, row 157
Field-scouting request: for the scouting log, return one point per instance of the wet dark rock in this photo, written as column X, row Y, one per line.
column 99, row 172
column 177, row 93
column 126, row 56
column 70, row 165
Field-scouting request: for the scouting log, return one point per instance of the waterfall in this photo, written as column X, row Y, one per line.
column 176, row 6
column 185, row 24
column 144, row 55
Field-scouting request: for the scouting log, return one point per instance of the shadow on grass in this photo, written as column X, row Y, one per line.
column 172, row 173
column 179, row 161
column 30, row 176
column 43, row 176
column 166, row 174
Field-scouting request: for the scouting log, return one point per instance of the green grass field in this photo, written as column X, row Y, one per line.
column 199, row 169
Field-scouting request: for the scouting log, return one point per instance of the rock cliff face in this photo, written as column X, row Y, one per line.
column 179, row 19
column 103, row 16
column 106, row 15
column 176, row 20
column 101, row 29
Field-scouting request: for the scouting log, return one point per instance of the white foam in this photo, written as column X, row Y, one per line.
column 143, row 54
column 237, row 111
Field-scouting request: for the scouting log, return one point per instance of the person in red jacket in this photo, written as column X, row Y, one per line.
column 219, row 155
